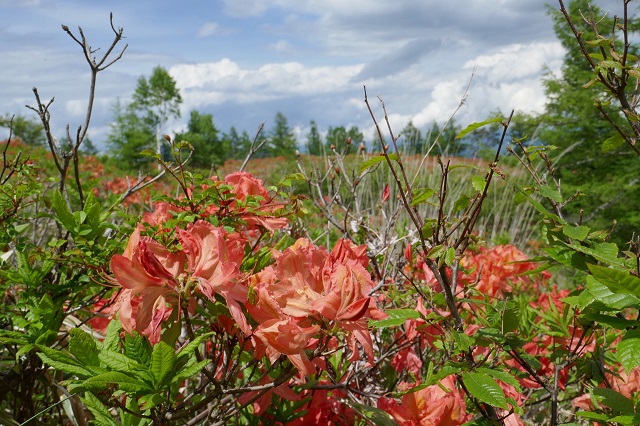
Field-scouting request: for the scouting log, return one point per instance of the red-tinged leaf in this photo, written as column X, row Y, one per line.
column 385, row 193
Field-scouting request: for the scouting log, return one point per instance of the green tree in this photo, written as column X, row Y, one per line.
column 314, row 140
column 411, row 139
column 87, row 147
column 282, row 141
column 236, row 144
column 157, row 100
column 202, row 134
column 444, row 139
column 345, row 141
column 128, row 136
column 573, row 123
column 29, row 131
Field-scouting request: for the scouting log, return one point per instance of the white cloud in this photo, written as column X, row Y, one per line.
column 517, row 61
column 208, row 29
column 226, row 81
column 281, row 46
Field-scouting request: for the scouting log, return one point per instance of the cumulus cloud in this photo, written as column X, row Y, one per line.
column 417, row 55
column 225, row 81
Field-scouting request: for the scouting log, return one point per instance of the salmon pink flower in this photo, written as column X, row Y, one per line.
column 436, row 405
column 288, row 338
column 326, row 408
column 497, row 269
column 148, row 271
column 244, row 185
column 299, row 269
column 214, row 258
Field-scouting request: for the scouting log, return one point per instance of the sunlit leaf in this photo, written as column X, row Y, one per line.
column 473, row 126
column 396, row 317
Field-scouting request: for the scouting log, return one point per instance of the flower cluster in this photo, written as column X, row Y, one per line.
column 308, row 289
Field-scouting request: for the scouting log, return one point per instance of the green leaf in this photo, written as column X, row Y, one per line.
column 617, row 281
column 478, row 183
column 163, row 359
column 138, row 348
column 396, row 317
column 603, row 252
column 63, row 362
column 112, row 340
column 611, row 321
column 462, row 341
column 122, row 381
column 613, row 143
column 436, row 251
column 576, row 232
column 604, row 295
column 504, row 376
column 119, row 362
column 484, row 388
column 101, row 413
column 83, row 347
column 189, row 371
column 629, row 350
column 610, row 64
column 626, row 420
column 147, row 402
column 429, row 228
column 374, row 415
column 375, row 160
column 461, row 203
column 191, row 347
column 421, row 195
column 473, row 126
column 614, row 400
column 550, row 193
column 592, row 416
column 449, row 256
column 62, row 212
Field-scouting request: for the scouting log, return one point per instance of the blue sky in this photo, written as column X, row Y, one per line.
column 245, row 60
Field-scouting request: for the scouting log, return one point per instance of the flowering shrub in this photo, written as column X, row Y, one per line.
column 221, row 305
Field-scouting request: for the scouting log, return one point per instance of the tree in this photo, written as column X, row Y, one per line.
column 202, row 134
column 237, row 145
column 343, row 140
column 29, row 131
column 411, row 139
column 444, row 139
column 574, row 123
column 314, row 140
column 88, row 148
column 282, row 141
column 157, row 100
column 128, row 136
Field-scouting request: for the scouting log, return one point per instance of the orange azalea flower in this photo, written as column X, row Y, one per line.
column 497, row 269
column 214, row 259
column 308, row 284
column 288, row 338
column 299, row 269
column 161, row 213
column 325, row 408
column 148, row 271
column 432, row 406
column 244, row 185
